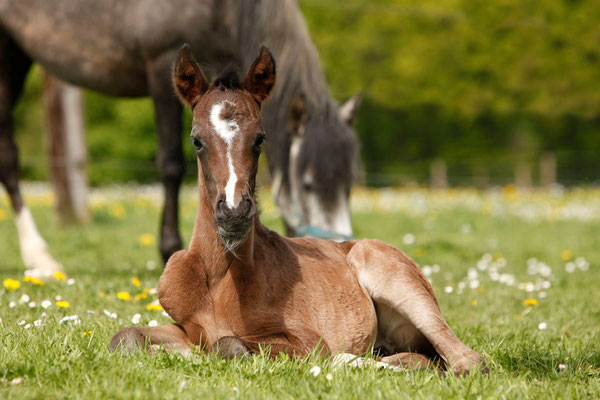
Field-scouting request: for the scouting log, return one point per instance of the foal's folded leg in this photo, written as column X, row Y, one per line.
column 170, row 337
column 392, row 279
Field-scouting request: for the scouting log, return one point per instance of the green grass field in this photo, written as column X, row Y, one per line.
column 516, row 274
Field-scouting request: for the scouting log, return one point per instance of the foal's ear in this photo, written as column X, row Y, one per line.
column 188, row 79
column 260, row 77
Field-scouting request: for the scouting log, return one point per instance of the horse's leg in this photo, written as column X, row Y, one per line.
column 410, row 361
column 170, row 337
column 395, row 283
column 170, row 159
column 287, row 343
column 14, row 65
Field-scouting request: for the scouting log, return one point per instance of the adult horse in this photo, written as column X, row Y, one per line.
column 126, row 48
column 240, row 286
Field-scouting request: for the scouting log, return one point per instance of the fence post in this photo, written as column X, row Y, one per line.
column 66, row 131
column 438, row 174
column 481, row 177
column 523, row 175
column 547, row 170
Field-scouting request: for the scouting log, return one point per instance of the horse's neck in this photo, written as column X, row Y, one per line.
column 279, row 25
column 205, row 242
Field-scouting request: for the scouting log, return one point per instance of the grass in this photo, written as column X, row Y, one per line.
column 450, row 234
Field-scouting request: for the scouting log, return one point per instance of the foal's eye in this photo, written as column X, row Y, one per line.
column 260, row 139
column 197, row 143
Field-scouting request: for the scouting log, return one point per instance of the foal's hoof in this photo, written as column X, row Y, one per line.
column 127, row 340
column 469, row 362
column 230, row 347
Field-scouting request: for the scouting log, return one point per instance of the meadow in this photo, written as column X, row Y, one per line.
column 516, row 274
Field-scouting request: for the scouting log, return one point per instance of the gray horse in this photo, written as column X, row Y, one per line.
column 127, row 47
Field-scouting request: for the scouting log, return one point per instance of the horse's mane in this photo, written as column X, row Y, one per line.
column 280, row 26
column 228, row 78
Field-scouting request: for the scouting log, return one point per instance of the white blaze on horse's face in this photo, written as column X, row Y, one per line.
column 313, row 215
column 226, row 130
column 335, row 219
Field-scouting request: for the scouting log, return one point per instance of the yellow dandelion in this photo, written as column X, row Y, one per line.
column 125, row 296
column 135, row 282
column 142, row 203
column 59, row 276
column 117, row 210
column 37, row 282
column 147, row 239
column 101, row 294
column 531, row 302
column 474, row 302
column 419, row 252
column 11, row 284
column 87, row 333
column 566, row 255
column 510, row 191
column 154, row 307
column 63, row 304
column 147, row 290
column 140, row 296
column 2, row 214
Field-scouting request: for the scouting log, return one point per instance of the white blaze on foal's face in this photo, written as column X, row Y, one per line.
column 226, row 129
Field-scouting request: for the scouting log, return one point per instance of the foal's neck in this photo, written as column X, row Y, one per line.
column 206, row 244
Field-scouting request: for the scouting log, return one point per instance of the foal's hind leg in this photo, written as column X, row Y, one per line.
column 410, row 361
column 14, row 65
column 171, row 162
column 394, row 282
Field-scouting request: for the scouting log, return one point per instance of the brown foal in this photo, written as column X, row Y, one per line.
column 240, row 286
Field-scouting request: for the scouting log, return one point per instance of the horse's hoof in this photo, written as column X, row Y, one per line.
column 127, row 340
column 230, row 347
column 41, row 265
column 469, row 362
column 169, row 246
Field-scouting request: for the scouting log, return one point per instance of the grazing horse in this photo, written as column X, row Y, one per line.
column 127, row 47
column 240, row 286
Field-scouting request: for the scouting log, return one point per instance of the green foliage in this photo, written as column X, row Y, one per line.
column 481, row 84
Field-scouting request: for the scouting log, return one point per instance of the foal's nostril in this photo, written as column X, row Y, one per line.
column 221, row 209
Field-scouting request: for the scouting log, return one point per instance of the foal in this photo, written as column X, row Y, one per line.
column 239, row 285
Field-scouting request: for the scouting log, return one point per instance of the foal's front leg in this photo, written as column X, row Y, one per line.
column 170, row 337
column 391, row 278
column 286, row 343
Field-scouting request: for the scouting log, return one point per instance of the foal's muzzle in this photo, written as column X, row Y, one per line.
column 234, row 223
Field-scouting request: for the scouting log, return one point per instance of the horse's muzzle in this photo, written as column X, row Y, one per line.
column 234, row 223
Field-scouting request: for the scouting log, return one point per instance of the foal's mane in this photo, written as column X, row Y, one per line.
column 228, row 78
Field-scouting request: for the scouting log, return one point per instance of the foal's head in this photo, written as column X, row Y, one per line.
column 228, row 136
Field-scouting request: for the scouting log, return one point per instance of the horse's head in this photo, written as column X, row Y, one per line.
column 320, row 169
column 228, row 135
